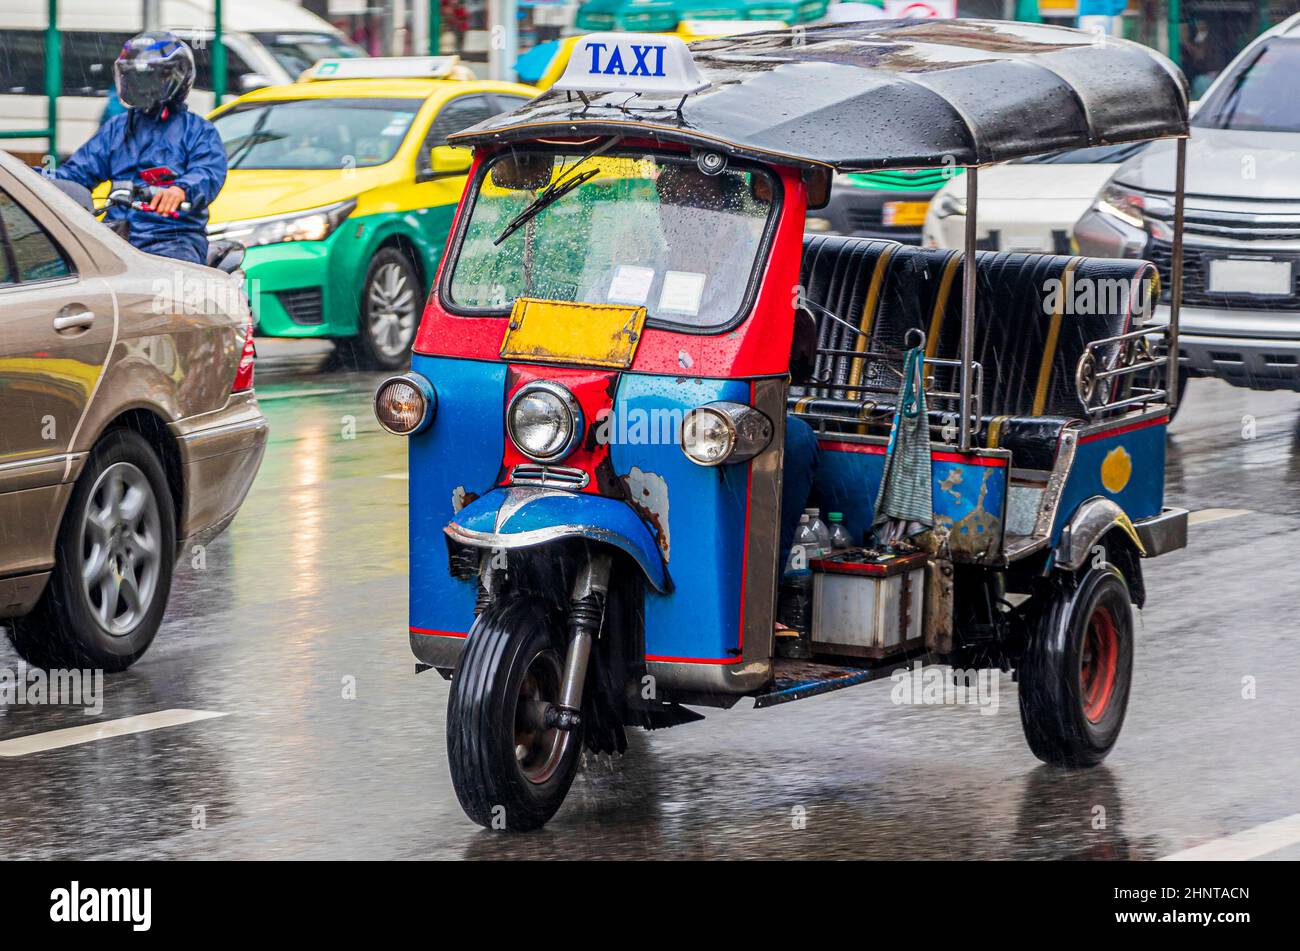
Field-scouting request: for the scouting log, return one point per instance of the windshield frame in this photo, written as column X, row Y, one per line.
column 1209, row 112
column 758, row 268
column 270, row 104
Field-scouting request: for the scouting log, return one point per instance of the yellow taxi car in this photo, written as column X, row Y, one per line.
column 342, row 188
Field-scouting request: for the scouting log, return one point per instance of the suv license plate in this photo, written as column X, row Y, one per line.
column 1259, row 276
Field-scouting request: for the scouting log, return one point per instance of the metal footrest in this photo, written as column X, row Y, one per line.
column 798, row 679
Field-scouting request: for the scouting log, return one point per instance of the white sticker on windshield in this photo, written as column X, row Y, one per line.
column 631, row 284
column 681, row 292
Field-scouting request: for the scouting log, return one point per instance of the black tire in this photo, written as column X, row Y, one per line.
column 68, row 628
column 1077, row 669
column 385, row 332
column 515, row 646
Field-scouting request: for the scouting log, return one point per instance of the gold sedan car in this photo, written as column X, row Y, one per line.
column 129, row 430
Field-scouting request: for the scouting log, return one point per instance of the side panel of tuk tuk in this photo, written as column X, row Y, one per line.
column 698, row 515
column 968, row 491
column 1123, row 462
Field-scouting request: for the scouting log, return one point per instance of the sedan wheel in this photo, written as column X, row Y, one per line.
column 114, row 555
column 120, row 541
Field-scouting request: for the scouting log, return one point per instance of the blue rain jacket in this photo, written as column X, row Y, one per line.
column 129, row 143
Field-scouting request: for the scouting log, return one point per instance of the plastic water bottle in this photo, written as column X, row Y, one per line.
column 823, row 533
column 795, row 608
column 840, row 537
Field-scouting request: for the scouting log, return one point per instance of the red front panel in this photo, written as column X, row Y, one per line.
column 594, row 391
column 759, row 346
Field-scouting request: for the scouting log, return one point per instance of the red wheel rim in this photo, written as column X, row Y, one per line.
column 1100, row 664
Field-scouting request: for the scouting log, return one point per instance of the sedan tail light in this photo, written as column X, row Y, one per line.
column 247, row 356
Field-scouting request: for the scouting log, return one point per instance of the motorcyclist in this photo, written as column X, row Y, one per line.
column 153, row 75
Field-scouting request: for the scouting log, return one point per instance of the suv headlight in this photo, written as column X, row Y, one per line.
column 544, row 421
column 718, row 433
column 1132, row 206
column 948, row 204
column 315, row 224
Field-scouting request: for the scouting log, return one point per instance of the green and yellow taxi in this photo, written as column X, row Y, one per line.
column 342, row 188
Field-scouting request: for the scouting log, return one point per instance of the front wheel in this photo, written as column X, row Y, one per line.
column 510, row 770
column 1077, row 668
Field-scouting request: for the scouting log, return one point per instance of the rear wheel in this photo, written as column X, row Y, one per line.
column 510, row 770
column 1077, row 669
column 390, row 311
column 113, row 564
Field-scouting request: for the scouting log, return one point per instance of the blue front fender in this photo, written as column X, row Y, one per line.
column 523, row 517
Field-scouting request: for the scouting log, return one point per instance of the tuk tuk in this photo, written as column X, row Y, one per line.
column 635, row 368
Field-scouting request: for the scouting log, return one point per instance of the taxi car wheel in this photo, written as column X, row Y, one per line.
column 510, row 771
column 1077, row 668
column 391, row 298
column 114, row 556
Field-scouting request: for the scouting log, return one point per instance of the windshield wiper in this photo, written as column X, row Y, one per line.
column 555, row 191
column 543, row 201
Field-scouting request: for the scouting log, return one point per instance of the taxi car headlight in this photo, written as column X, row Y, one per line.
column 544, row 421
column 405, row 404
column 718, row 433
column 315, row 224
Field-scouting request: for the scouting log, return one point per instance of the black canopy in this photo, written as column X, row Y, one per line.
column 896, row 93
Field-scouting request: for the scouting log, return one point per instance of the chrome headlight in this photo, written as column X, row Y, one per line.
column 544, row 421
column 405, row 404
column 724, row 432
column 315, row 224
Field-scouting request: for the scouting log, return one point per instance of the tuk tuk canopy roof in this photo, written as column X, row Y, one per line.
column 880, row 94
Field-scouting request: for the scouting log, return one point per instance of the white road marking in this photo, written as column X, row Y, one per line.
column 397, row 475
column 73, row 735
column 1250, row 844
column 295, row 394
column 1214, row 515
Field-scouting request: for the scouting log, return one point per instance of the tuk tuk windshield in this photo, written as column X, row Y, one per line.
column 649, row 230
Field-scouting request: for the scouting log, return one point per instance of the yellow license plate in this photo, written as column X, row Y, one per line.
column 601, row 335
column 904, row 213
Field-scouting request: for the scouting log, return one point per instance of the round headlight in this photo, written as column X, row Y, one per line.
column 724, row 432
column 544, row 421
column 707, row 436
column 404, row 404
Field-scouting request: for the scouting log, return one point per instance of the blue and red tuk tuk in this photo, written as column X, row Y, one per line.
column 635, row 369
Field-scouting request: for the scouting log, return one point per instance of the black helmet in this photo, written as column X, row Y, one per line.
column 154, row 70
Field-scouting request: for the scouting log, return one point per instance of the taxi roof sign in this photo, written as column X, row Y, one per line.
column 632, row 62
column 383, row 67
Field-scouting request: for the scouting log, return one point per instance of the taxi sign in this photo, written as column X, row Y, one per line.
column 632, row 62
column 383, row 67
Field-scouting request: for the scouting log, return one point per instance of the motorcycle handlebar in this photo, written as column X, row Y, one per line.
column 138, row 198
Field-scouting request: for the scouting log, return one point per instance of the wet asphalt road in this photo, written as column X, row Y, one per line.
column 306, row 594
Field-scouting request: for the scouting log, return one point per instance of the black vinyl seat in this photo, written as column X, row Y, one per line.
column 1035, row 316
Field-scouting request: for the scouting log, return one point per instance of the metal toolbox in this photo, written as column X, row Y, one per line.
column 868, row 604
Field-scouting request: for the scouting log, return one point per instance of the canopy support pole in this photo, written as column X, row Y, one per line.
column 1176, row 292
column 968, row 306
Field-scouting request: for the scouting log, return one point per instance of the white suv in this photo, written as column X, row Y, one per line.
column 1241, row 263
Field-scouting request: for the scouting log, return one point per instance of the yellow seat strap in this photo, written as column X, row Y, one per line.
column 1053, row 335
